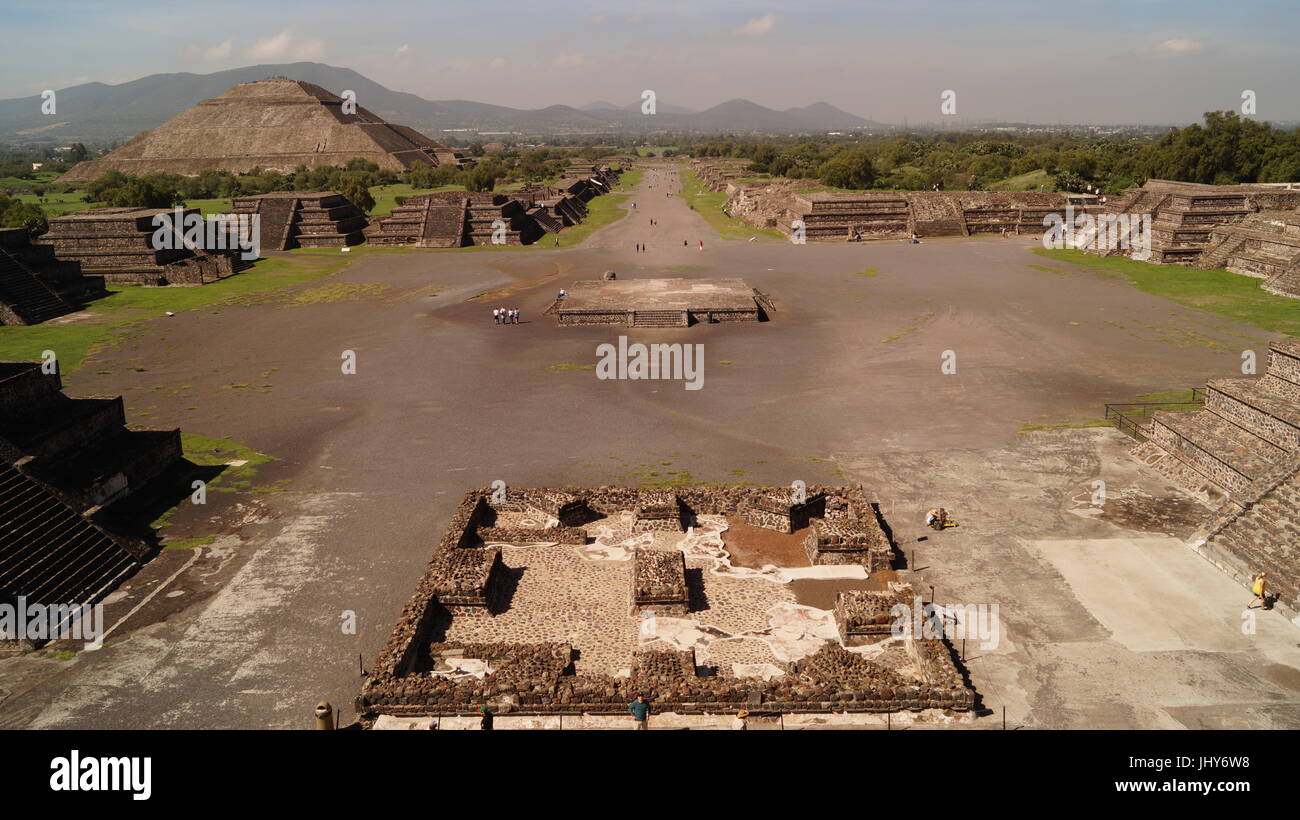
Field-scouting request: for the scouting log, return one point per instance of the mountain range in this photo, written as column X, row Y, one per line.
column 100, row 113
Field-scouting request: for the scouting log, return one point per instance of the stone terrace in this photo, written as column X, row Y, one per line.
column 304, row 219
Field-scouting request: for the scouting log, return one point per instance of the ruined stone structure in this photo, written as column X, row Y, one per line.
column 272, row 124
column 66, row 467
column 303, row 219
column 659, row 583
column 866, row 617
column 660, row 302
column 34, row 286
column 116, row 245
column 468, row 579
column 1249, row 229
column 1248, row 426
column 419, row 674
column 775, row 510
column 1258, row 529
column 884, row 214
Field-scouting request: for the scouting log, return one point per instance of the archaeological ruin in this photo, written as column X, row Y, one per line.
column 867, row 215
column 575, row 601
column 660, row 302
column 34, row 286
column 68, row 468
column 1253, row 230
column 271, row 124
column 303, row 219
column 1238, row 454
column 116, row 246
column 457, row 219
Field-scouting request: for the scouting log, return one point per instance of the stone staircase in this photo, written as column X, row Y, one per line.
column 50, row 553
column 1260, row 530
column 24, row 298
column 660, row 318
column 1248, row 427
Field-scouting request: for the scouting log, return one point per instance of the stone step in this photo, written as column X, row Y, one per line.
column 1226, row 454
column 1264, row 414
column 26, row 296
column 48, row 552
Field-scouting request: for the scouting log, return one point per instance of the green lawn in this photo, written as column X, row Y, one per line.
column 113, row 318
column 708, row 204
column 1217, row 291
column 1026, row 182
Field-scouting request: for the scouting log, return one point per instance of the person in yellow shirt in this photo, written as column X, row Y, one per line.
column 1259, row 589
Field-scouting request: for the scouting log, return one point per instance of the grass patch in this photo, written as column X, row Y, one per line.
column 867, row 272
column 1217, row 291
column 114, row 316
column 708, row 204
column 190, row 543
column 1065, row 425
column 1049, row 269
column 564, row 367
column 1026, row 182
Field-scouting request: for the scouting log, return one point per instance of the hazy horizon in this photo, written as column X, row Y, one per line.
column 1157, row 62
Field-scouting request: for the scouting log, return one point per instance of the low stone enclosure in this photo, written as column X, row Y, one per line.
column 67, row 466
column 660, row 302
column 870, row 215
column 116, row 245
column 1252, row 229
column 303, row 219
column 455, row 219
column 575, row 601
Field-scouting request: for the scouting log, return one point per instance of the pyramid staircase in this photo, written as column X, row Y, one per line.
column 1248, row 427
column 24, row 298
column 65, row 466
column 1260, row 531
column 660, row 318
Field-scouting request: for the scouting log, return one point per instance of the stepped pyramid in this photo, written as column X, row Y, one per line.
column 64, row 466
column 276, row 123
column 303, row 219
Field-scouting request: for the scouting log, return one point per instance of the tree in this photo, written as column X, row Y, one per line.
column 849, row 169
column 352, row 186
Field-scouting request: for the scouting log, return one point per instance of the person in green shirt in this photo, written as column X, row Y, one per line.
column 639, row 710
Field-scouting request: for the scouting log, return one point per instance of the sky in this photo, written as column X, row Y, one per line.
column 1136, row 61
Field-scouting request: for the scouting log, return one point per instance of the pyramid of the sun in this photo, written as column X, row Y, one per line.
column 274, row 123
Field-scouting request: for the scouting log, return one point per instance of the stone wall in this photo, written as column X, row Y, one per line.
column 659, row 582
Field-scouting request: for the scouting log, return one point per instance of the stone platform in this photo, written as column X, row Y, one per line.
column 660, row 302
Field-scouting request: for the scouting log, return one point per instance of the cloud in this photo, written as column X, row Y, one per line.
column 220, row 51
column 1174, row 47
column 286, row 46
column 758, row 26
column 402, row 50
column 570, row 59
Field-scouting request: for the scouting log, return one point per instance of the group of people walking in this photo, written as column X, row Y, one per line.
column 505, row 316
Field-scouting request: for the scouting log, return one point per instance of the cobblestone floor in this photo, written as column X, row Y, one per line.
column 745, row 623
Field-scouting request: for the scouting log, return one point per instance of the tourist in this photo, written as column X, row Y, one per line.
column 701, row 244
column 936, row 519
column 1259, row 590
column 485, row 719
column 686, row 243
column 916, row 240
column 496, row 315
column 516, row 315
column 639, row 710
column 503, row 316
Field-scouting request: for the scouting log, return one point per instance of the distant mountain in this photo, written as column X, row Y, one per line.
column 99, row 113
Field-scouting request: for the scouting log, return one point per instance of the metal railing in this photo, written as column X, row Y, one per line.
column 1132, row 416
